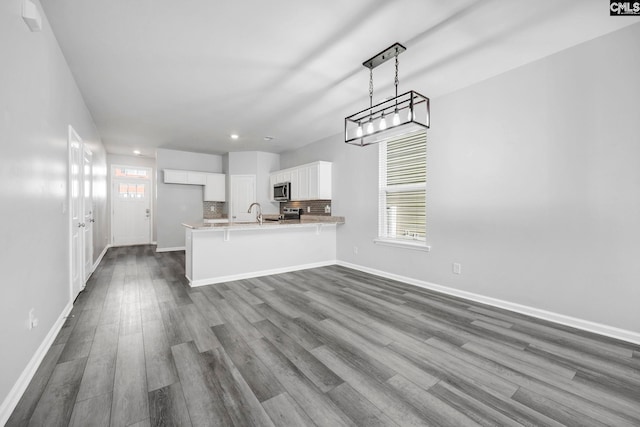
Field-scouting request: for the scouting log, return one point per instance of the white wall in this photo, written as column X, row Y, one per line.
column 178, row 203
column 146, row 162
column 533, row 186
column 38, row 100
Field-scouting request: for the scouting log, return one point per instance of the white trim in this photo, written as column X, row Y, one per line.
column 99, row 260
column 177, row 248
column 586, row 325
column 71, row 133
column 404, row 244
column 20, row 386
column 233, row 277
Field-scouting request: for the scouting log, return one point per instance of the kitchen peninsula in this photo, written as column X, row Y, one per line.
column 218, row 253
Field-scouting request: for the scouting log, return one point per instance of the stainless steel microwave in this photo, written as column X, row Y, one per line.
column 282, row 191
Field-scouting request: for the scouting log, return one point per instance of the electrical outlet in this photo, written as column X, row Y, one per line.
column 457, row 268
column 355, row 250
column 308, row 209
column 212, row 208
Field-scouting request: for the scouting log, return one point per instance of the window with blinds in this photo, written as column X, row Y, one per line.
column 402, row 191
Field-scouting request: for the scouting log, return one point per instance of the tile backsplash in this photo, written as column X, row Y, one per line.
column 317, row 206
column 207, row 213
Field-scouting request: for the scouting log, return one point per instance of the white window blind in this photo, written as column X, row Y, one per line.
column 402, row 190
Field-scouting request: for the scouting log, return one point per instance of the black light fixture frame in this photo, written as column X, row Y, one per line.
column 413, row 107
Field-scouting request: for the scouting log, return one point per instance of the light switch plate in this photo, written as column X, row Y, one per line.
column 457, row 268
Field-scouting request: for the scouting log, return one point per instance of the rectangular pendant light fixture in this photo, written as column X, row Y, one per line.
column 401, row 115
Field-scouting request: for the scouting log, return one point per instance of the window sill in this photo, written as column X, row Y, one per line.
column 413, row 245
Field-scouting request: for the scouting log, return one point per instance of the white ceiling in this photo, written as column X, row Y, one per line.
column 184, row 74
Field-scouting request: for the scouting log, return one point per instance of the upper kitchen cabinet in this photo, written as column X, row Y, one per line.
column 214, row 183
column 175, row 177
column 308, row 182
column 172, row 176
column 214, row 187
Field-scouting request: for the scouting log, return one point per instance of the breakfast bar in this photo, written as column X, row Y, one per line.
column 217, row 253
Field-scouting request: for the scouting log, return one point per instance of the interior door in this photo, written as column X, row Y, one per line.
column 88, row 220
column 243, row 193
column 131, row 205
column 76, row 213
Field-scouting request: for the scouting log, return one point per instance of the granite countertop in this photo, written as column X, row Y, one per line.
column 304, row 221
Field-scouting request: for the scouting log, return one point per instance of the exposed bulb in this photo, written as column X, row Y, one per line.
column 383, row 123
column 396, row 118
column 409, row 117
column 359, row 131
column 370, row 127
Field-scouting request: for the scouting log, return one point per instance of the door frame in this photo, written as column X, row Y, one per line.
column 87, row 232
column 112, row 180
column 72, row 136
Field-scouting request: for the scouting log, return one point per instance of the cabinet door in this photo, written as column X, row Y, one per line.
column 175, row 176
column 196, row 178
column 303, row 179
column 284, row 177
column 313, row 181
column 214, row 188
column 324, row 181
column 295, row 185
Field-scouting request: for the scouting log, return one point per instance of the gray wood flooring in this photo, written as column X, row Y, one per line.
column 325, row 347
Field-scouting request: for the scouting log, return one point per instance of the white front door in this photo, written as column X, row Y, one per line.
column 243, row 193
column 76, row 213
column 88, row 220
column 131, row 205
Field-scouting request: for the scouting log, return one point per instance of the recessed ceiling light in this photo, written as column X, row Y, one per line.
column 269, row 138
column 137, row 152
column 234, row 136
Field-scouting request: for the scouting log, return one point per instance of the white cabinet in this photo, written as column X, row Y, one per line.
column 302, row 184
column 214, row 183
column 308, row 182
column 214, row 187
column 196, row 178
column 313, row 172
column 283, row 176
column 323, row 183
column 295, row 189
column 173, row 176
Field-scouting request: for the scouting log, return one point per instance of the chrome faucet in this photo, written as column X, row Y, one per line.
column 258, row 211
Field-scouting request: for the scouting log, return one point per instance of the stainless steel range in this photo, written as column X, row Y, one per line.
column 291, row 213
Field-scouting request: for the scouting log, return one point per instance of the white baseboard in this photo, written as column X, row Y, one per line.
column 97, row 263
column 586, row 325
column 231, row 278
column 177, row 248
column 18, row 389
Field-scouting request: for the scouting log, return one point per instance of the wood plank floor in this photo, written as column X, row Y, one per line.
column 325, row 347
